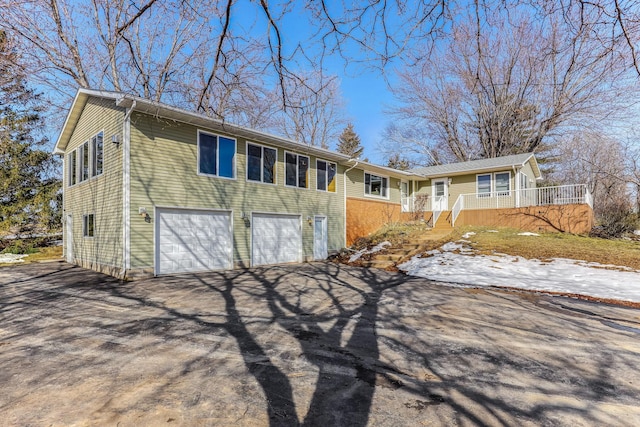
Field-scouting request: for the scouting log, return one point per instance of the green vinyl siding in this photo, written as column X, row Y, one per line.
column 164, row 173
column 100, row 195
column 355, row 186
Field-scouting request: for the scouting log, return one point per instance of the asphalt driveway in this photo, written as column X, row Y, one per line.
column 314, row 344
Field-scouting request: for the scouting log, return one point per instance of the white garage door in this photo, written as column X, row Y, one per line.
column 276, row 239
column 192, row 240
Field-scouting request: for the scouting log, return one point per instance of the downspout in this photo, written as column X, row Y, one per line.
column 345, row 197
column 126, row 188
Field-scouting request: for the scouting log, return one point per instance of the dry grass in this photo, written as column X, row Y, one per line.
column 555, row 245
column 50, row 253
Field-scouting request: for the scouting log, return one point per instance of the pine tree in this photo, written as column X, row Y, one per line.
column 349, row 143
column 29, row 190
column 397, row 162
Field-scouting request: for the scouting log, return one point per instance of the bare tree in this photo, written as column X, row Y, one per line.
column 506, row 86
column 315, row 112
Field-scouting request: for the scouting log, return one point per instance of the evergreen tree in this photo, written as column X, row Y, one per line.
column 349, row 143
column 29, row 189
column 397, row 162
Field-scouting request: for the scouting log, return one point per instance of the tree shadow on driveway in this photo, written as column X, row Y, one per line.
column 322, row 344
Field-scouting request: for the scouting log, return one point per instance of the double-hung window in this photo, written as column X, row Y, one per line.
column 261, row 163
column 296, row 170
column 326, row 176
column 484, row 185
column 216, row 155
column 375, row 185
column 502, row 183
column 88, row 225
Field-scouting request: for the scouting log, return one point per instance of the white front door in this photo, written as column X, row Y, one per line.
column 276, row 238
column 191, row 240
column 404, row 196
column 440, row 194
column 68, row 244
column 320, row 250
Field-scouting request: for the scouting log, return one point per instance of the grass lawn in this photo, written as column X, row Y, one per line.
column 547, row 245
column 554, row 245
column 42, row 254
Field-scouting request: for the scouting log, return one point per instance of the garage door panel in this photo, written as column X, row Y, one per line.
column 276, row 239
column 193, row 240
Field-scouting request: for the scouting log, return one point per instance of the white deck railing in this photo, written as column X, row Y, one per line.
column 560, row 195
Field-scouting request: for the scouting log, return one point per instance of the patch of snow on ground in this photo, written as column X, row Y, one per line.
column 559, row 275
column 527, row 233
column 469, row 234
column 492, row 231
column 636, row 232
column 11, row 258
column 373, row 250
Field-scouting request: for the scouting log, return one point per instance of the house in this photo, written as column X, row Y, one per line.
column 151, row 189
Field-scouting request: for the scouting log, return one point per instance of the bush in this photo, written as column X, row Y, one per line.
column 20, row 247
column 615, row 223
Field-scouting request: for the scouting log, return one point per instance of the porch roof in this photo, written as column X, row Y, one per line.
column 515, row 160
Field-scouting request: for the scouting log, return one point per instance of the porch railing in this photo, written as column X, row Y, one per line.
column 560, row 195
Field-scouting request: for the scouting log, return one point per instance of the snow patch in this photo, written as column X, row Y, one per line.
column 527, row 233
column 636, row 232
column 373, row 250
column 467, row 268
column 492, row 231
column 469, row 234
column 11, row 258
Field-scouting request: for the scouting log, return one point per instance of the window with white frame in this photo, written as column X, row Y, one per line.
column 484, row 185
column 83, row 155
column 261, row 163
column 97, row 154
column 502, row 183
column 88, row 225
column 72, row 166
column 326, row 176
column 216, row 155
column 296, row 170
column 375, row 185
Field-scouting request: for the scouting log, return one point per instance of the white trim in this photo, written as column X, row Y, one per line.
column 68, row 232
column 156, row 231
column 308, row 187
column 493, row 192
column 126, row 191
column 478, row 193
column 328, row 162
column 235, row 156
column 275, row 166
column 501, row 193
column 373, row 196
column 92, row 154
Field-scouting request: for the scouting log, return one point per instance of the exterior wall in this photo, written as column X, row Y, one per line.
column 355, row 187
column 164, row 173
column 577, row 219
column 528, row 170
column 100, row 195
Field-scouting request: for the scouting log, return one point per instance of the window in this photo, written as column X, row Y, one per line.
column 524, row 181
column 216, row 155
column 326, row 176
column 261, row 164
column 72, row 166
column 375, row 185
column 296, row 170
column 502, row 183
column 84, row 161
column 97, row 154
column 88, row 225
column 484, row 185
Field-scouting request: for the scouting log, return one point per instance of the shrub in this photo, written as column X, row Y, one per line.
column 615, row 223
column 20, row 247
